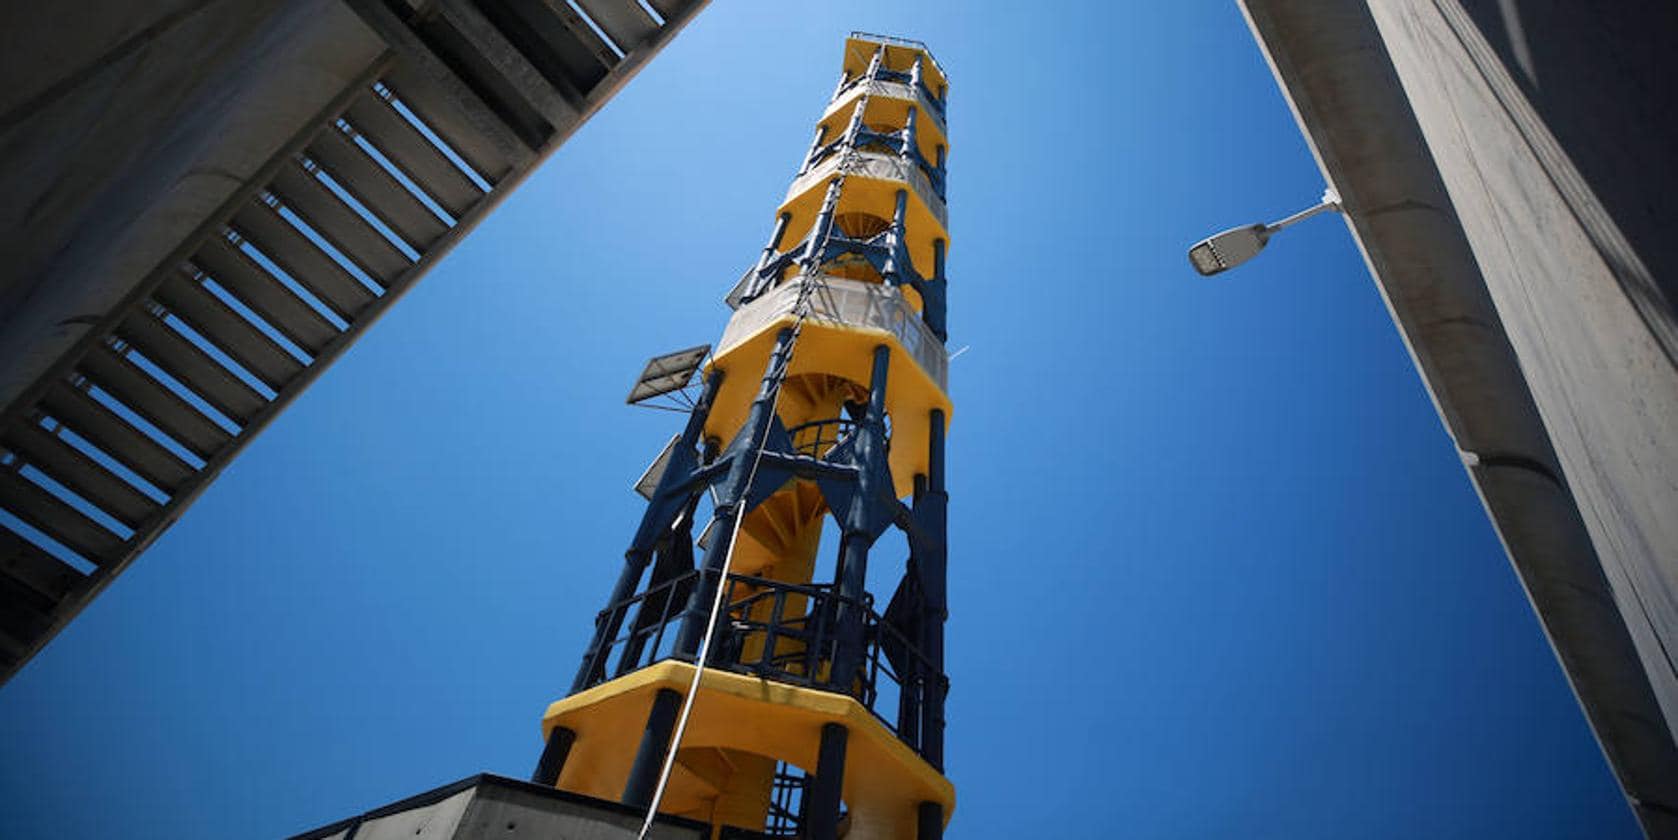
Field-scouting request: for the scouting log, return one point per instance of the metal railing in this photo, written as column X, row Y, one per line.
column 786, row 803
column 936, row 104
column 786, row 632
column 845, row 302
column 877, row 143
column 818, row 437
column 880, row 166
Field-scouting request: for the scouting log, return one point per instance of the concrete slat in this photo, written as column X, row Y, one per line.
column 31, row 503
column 152, row 400
column 351, row 234
column 115, row 437
column 624, row 21
column 24, row 613
column 195, row 368
column 456, row 125
column 75, row 470
column 443, row 100
column 376, row 189
column 258, row 289
column 379, row 122
column 670, row 8
column 118, row 438
column 586, row 55
column 249, row 346
column 303, row 260
column 12, row 651
column 483, row 51
column 31, row 565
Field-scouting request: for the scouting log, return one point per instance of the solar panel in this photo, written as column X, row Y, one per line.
column 648, row 482
column 737, row 295
column 667, row 373
column 708, row 534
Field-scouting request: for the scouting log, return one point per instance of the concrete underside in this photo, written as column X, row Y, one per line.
column 208, row 201
column 1506, row 167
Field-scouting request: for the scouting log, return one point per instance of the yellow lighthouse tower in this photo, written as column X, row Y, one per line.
column 756, row 684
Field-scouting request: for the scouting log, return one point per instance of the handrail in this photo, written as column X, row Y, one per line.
column 776, row 630
column 939, row 105
column 849, row 302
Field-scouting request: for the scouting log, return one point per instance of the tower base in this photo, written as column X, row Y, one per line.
column 488, row 806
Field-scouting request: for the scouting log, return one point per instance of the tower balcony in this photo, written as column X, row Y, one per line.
column 895, row 171
column 768, row 689
column 786, row 632
column 888, row 89
column 888, row 104
column 897, row 67
column 847, row 319
column 849, row 303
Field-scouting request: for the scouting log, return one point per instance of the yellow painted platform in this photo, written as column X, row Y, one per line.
column 884, row 780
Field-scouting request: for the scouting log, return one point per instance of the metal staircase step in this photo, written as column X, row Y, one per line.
column 188, row 300
column 217, row 385
column 301, row 259
column 257, row 289
column 56, row 518
column 116, row 438
column 74, row 469
column 376, row 189
column 376, row 120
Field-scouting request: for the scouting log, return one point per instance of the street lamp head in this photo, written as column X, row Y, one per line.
column 1224, row 251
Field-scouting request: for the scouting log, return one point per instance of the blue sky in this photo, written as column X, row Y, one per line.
column 1215, row 567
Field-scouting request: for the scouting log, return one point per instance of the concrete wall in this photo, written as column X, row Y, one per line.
column 131, row 132
column 193, row 185
column 1505, row 167
column 1556, row 147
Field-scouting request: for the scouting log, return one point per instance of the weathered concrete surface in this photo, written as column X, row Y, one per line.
column 1522, row 284
column 208, row 201
column 141, row 144
column 487, row 807
column 1592, row 323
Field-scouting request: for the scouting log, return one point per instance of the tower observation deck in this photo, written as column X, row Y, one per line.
column 730, row 681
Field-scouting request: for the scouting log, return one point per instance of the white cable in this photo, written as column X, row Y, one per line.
column 722, row 578
column 810, row 277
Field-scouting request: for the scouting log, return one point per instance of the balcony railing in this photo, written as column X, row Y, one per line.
column 880, row 166
column 852, row 303
column 818, row 437
column 906, row 78
column 786, row 632
column 895, row 89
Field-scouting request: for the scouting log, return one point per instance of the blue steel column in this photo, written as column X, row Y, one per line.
column 825, row 790
column 653, row 521
column 734, row 491
column 931, row 514
column 858, row 535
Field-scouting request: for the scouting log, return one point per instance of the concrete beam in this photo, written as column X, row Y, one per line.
column 1333, row 64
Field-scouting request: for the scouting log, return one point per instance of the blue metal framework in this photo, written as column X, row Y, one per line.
column 826, row 635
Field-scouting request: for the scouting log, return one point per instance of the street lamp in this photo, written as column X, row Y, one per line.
column 1224, row 251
